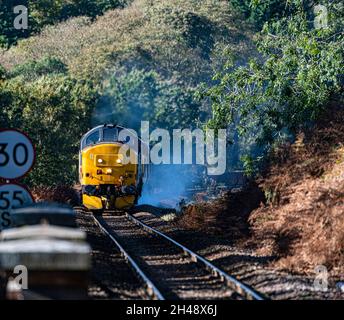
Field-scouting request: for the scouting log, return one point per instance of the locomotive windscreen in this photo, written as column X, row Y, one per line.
column 93, row 138
column 100, row 134
column 110, row 134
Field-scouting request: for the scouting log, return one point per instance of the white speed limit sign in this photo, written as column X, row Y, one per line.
column 17, row 154
column 12, row 196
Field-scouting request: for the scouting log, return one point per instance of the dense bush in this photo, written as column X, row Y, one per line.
column 257, row 12
column 33, row 69
column 54, row 111
column 3, row 73
column 195, row 30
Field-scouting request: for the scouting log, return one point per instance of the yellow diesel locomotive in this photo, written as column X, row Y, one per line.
column 107, row 181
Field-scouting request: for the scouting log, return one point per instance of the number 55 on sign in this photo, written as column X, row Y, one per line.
column 12, row 196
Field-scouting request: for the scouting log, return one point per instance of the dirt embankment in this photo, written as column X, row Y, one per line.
column 303, row 222
column 226, row 215
column 301, row 219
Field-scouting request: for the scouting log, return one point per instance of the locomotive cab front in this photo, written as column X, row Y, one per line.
column 107, row 181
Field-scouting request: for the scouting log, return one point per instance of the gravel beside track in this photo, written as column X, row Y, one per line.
column 111, row 276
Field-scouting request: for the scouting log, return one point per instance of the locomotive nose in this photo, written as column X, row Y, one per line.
column 108, row 175
column 108, row 160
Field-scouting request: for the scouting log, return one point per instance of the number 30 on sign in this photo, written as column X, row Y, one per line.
column 17, row 154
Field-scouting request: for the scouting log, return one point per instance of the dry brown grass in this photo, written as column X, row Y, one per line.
column 227, row 215
column 59, row 194
column 303, row 222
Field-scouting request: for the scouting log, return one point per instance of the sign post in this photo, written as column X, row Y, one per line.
column 17, row 157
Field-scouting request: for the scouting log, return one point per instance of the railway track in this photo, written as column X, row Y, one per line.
column 111, row 277
column 168, row 269
column 152, row 290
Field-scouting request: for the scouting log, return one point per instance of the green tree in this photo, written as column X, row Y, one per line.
column 288, row 86
column 257, row 12
column 54, row 111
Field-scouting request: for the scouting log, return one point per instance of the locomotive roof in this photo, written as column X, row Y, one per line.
column 92, row 138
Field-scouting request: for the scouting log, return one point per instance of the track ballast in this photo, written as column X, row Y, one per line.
column 168, row 269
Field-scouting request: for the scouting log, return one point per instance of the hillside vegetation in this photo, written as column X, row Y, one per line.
column 146, row 59
column 47, row 12
column 169, row 36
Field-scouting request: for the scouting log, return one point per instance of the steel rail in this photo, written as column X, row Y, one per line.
column 232, row 282
column 153, row 291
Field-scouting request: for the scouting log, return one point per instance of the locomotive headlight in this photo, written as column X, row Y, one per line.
column 100, row 160
column 108, row 171
column 119, row 161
